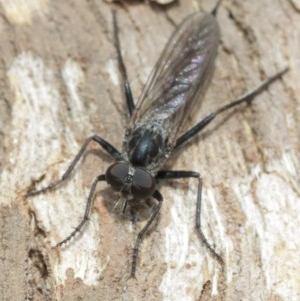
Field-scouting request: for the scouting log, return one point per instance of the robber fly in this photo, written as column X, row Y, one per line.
column 175, row 87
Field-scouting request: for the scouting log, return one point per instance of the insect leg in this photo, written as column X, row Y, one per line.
column 248, row 97
column 87, row 211
column 107, row 147
column 157, row 195
column 215, row 10
column 174, row 174
column 127, row 89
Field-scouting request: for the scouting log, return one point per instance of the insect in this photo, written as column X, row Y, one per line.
column 176, row 86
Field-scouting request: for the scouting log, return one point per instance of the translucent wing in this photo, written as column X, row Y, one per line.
column 180, row 76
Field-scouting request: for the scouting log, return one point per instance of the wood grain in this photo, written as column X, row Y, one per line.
column 60, row 84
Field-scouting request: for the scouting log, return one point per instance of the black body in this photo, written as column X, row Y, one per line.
column 175, row 87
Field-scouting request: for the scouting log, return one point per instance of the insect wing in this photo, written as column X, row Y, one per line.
column 180, row 76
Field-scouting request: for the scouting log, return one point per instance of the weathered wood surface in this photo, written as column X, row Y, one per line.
column 60, row 84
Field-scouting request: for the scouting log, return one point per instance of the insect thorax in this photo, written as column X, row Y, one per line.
column 147, row 146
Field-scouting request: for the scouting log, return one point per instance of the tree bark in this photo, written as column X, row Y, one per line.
column 61, row 84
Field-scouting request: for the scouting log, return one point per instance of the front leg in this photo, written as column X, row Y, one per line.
column 170, row 174
column 157, row 195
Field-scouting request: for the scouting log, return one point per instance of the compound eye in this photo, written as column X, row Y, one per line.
column 143, row 184
column 116, row 174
